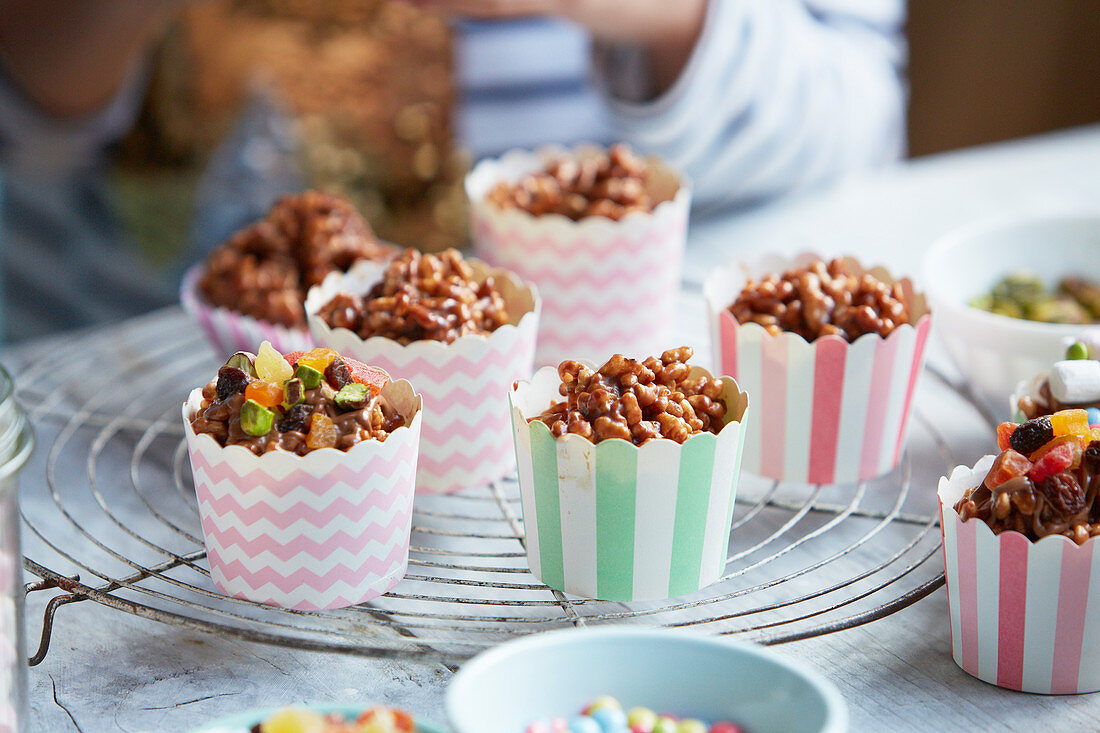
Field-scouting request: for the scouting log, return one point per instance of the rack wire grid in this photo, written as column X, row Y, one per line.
column 110, row 516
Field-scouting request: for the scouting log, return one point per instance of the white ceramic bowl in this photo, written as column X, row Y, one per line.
column 685, row 674
column 995, row 352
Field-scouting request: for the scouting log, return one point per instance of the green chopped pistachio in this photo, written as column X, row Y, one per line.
column 256, row 420
column 310, row 377
column 352, row 396
column 293, row 393
column 244, row 361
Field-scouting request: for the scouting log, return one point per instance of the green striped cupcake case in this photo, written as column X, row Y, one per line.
column 621, row 522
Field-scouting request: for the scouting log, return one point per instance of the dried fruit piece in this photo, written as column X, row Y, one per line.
column 245, row 361
column 318, row 358
column 373, row 377
column 338, row 373
column 294, row 392
column 1053, row 461
column 296, row 418
column 1030, row 436
column 353, row 396
column 1009, row 464
column 1077, row 350
column 1070, row 422
column 322, row 432
column 256, row 420
column 1063, row 492
column 1004, row 432
column 265, row 393
column 309, row 376
column 231, row 380
column 271, row 366
column 1091, row 457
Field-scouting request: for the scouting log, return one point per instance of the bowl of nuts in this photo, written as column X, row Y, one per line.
column 831, row 352
column 990, row 282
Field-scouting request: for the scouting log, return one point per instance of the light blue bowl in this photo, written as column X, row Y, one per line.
column 685, row 674
column 243, row 722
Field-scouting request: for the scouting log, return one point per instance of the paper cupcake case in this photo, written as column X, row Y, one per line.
column 607, row 286
column 621, row 522
column 325, row 530
column 1024, row 615
column 826, row 411
column 466, row 440
column 229, row 331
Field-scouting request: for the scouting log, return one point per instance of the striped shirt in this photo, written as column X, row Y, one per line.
column 778, row 95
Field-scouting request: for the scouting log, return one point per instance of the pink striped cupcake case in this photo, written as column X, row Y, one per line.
column 607, row 286
column 826, row 411
column 229, row 331
column 325, row 530
column 1024, row 615
column 467, row 435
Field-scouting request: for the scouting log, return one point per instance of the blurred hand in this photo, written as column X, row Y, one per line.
column 668, row 30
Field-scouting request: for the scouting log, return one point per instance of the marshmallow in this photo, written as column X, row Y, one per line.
column 1075, row 382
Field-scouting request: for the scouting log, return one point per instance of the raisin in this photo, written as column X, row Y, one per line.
column 231, row 380
column 1092, row 457
column 338, row 373
column 296, row 418
column 1064, row 493
column 1032, row 435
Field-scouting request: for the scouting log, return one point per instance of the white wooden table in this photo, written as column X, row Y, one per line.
column 111, row 671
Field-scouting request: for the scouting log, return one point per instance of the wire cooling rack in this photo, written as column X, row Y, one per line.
column 110, row 517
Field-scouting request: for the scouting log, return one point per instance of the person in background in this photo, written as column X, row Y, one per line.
column 752, row 98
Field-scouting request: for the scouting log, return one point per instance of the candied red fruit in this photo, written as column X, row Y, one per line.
column 1004, row 433
column 1009, row 464
column 1055, row 460
column 1063, row 492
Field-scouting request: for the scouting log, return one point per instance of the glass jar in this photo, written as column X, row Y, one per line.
column 16, row 442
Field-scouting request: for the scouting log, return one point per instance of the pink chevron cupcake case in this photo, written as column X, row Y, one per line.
column 460, row 331
column 304, row 474
column 251, row 287
column 601, row 233
column 831, row 353
column 1024, row 610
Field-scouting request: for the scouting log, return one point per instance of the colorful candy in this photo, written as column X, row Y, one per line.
column 373, row 720
column 605, row 715
column 1077, row 350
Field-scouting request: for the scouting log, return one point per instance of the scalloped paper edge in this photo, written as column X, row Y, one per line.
column 407, row 401
column 517, row 162
column 542, row 389
column 520, row 298
column 722, row 287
